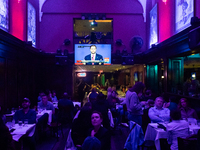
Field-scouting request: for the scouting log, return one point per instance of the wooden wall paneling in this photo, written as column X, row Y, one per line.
column 12, row 97
column 152, row 78
column 2, row 82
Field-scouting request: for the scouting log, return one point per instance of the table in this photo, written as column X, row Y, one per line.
column 77, row 103
column 19, row 131
column 155, row 134
column 10, row 115
column 111, row 118
column 55, row 104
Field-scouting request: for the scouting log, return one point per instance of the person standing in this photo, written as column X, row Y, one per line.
column 94, row 56
column 134, row 106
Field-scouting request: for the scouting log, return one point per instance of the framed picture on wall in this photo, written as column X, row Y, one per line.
column 4, row 15
column 184, row 11
column 153, row 39
column 31, row 29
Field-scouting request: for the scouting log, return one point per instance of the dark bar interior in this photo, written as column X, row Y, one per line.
column 107, row 75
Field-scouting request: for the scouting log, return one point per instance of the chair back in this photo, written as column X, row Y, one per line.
column 65, row 114
column 164, row 144
column 186, row 144
column 135, row 137
column 41, row 125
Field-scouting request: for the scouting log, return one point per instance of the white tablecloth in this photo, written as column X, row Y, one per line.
column 55, row 104
column 43, row 112
column 77, row 103
column 111, row 118
column 10, row 115
column 154, row 133
column 19, row 131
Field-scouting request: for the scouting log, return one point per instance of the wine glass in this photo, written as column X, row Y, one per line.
column 20, row 123
column 25, row 122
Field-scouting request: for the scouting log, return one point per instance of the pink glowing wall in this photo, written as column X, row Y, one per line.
column 166, row 17
column 18, row 19
column 57, row 21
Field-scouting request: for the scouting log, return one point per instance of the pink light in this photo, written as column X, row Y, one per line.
column 165, row 1
column 18, row 1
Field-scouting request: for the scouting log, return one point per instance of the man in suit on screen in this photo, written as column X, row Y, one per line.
column 93, row 56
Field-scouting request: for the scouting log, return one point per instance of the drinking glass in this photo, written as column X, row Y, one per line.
column 25, row 122
column 20, row 123
column 13, row 122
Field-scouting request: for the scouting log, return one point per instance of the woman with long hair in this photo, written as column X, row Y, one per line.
column 186, row 111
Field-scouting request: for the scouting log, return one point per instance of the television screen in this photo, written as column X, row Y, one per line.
column 92, row 54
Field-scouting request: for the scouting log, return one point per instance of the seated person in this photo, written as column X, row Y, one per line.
column 40, row 96
column 6, row 141
column 176, row 128
column 81, row 126
column 45, row 104
column 112, row 100
column 101, row 133
column 186, row 111
column 2, row 115
column 101, row 105
column 92, row 96
column 91, row 143
column 109, row 91
column 30, row 115
column 158, row 113
column 145, row 118
column 25, row 113
column 171, row 105
column 54, row 98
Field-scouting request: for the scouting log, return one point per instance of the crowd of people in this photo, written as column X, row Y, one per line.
column 143, row 108
column 90, row 124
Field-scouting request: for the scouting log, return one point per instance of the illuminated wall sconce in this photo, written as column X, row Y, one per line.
column 162, row 77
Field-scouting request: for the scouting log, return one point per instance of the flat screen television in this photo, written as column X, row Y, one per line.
column 84, row 54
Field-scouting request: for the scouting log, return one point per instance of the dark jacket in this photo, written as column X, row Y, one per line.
column 102, row 106
column 79, row 131
column 66, row 110
column 103, row 135
column 20, row 115
column 98, row 57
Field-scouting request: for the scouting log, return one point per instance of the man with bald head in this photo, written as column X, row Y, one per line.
column 158, row 113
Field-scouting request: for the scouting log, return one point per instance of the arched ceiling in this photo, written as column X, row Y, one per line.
column 41, row 3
